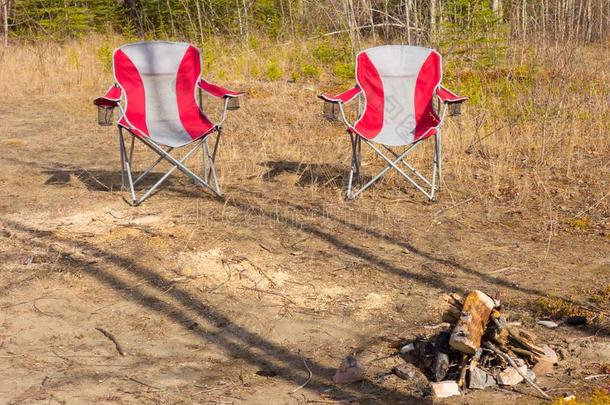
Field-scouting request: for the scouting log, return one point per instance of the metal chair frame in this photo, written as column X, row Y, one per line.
column 428, row 186
column 208, row 155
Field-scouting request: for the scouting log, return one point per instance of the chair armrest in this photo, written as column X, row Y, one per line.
column 111, row 98
column 344, row 97
column 217, row 91
column 448, row 96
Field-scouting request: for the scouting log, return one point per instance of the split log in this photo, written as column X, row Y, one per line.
column 452, row 314
column 454, row 308
column 463, row 368
column 469, row 365
column 440, row 364
column 516, row 335
column 526, row 354
column 525, row 339
column 455, row 300
column 467, row 334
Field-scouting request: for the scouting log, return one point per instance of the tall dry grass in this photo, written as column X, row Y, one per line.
column 534, row 135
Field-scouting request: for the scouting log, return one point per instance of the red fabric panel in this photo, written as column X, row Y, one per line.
column 448, row 96
column 194, row 122
column 427, row 80
column 129, row 79
column 217, row 91
column 344, row 97
column 113, row 93
column 111, row 98
column 371, row 122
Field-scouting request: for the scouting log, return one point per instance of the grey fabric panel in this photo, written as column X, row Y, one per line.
column 158, row 63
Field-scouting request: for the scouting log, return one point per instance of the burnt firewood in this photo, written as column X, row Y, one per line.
column 440, row 363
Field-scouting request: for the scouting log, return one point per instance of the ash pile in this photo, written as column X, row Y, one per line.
column 480, row 349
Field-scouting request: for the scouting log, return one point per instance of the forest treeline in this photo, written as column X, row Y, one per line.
column 414, row 21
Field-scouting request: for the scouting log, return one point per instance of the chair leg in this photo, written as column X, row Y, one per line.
column 440, row 159
column 212, row 163
column 123, row 185
column 126, row 163
column 355, row 166
column 204, row 160
column 435, row 166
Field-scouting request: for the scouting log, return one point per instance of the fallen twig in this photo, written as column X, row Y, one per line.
column 503, row 269
column 208, row 389
column 144, row 384
column 308, row 380
column 113, row 339
column 279, row 294
column 70, row 361
column 42, row 312
column 593, row 377
column 453, row 206
column 265, row 248
column 28, row 301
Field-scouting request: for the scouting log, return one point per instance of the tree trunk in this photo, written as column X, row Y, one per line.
column 5, row 17
column 432, row 19
column 408, row 20
column 496, row 7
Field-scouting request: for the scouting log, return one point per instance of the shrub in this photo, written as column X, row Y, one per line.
column 273, row 71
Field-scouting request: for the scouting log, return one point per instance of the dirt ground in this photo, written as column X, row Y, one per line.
column 239, row 299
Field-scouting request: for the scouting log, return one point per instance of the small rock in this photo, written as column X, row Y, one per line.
column 520, row 362
column 543, row 367
column 480, row 379
column 404, row 371
column 549, row 354
column 407, row 348
column 510, row 376
column 531, row 375
column 349, row 371
column 576, row 320
column 445, row 389
column 548, row 324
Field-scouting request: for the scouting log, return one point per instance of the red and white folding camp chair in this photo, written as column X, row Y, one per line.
column 399, row 85
column 155, row 92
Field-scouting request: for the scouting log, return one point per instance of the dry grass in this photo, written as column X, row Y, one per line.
column 533, row 136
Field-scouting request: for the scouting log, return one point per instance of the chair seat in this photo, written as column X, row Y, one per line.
column 424, row 129
column 173, row 133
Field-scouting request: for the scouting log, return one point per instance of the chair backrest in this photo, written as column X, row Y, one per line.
column 159, row 81
column 398, row 83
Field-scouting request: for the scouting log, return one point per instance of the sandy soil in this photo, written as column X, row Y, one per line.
column 233, row 300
